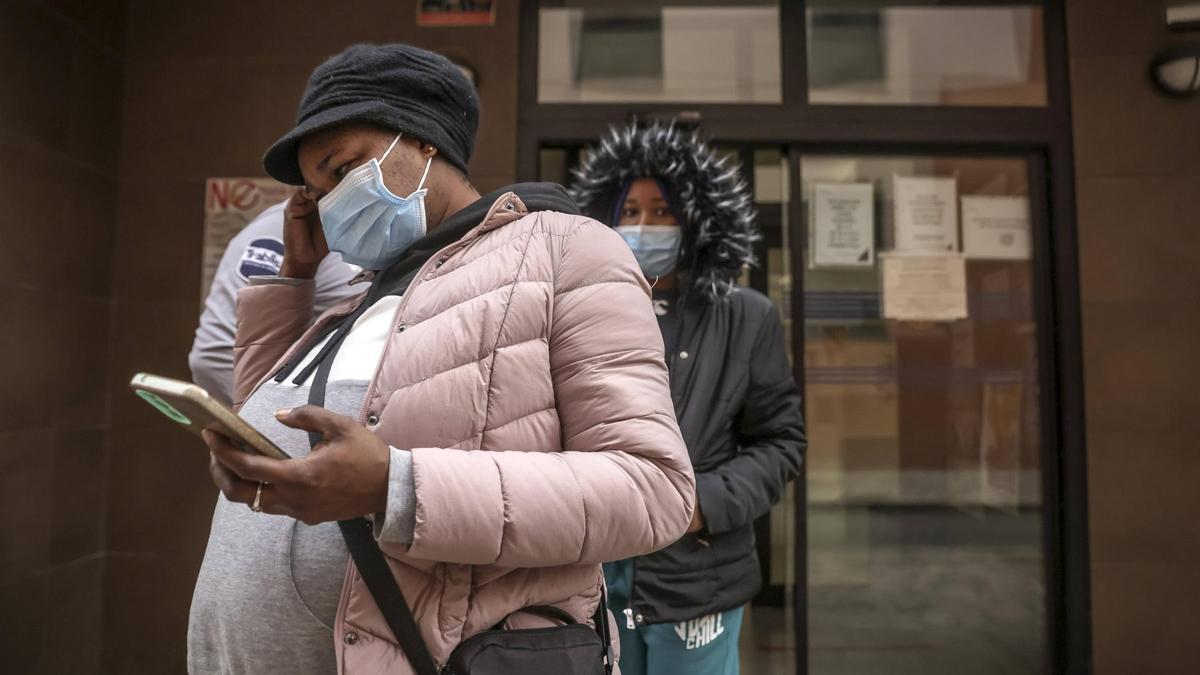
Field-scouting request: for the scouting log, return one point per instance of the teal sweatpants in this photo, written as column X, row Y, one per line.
column 706, row 645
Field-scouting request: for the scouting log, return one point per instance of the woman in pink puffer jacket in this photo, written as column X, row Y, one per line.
column 516, row 399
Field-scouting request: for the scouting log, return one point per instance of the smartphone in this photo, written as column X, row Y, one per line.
column 194, row 408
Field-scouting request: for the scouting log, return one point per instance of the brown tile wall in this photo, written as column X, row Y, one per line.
column 208, row 86
column 1138, row 194
column 60, row 98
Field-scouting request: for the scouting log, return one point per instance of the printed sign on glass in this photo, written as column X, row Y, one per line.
column 843, row 218
column 926, row 215
column 995, row 228
column 924, row 287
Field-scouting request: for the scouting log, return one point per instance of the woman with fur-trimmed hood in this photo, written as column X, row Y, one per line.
column 689, row 219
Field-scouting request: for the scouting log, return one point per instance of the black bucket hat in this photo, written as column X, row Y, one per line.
column 396, row 86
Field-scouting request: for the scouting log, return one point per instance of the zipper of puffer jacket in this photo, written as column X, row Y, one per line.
column 441, row 257
column 632, row 616
column 437, row 260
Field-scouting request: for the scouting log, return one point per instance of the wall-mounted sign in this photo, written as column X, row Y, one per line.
column 924, row 287
column 229, row 205
column 995, row 228
column 926, row 214
column 444, row 13
column 843, row 231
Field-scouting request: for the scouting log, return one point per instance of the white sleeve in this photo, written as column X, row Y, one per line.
column 396, row 525
column 257, row 250
column 211, row 358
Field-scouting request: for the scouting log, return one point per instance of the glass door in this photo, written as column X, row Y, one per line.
column 917, row 524
column 768, row 640
column 924, row 513
column 940, row 524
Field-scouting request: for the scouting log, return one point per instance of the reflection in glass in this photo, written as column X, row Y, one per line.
column 593, row 51
column 882, row 52
column 552, row 165
column 768, row 642
column 924, row 475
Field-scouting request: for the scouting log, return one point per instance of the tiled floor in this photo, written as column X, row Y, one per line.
column 899, row 591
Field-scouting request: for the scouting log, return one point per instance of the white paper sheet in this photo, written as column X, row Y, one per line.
column 995, row 228
column 924, row 287
column 926, row 214
column 843, row 217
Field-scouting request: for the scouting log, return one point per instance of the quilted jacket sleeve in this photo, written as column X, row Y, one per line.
column 623, row 485
column 270, row 317
column 770, row 430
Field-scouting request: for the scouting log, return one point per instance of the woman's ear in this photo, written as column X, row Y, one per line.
column 428, row 151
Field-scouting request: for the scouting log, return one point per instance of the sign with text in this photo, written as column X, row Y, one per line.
column 924, row 287
column 926, row 214
column 843, row 218
column 229, row 205
column 995, row 228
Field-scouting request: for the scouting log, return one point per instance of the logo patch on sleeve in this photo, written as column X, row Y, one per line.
column 261, row 258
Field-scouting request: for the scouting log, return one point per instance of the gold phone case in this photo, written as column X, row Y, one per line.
column 193, row 407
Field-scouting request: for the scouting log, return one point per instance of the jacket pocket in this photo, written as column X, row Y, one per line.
column 730, row 547
column 689, row 554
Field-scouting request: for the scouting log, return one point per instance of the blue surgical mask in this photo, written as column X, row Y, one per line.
column 656, row 247
column 366, row 223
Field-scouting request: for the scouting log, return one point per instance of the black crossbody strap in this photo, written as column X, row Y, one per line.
column 369, row 560
column 377, row 575
column 600, row 618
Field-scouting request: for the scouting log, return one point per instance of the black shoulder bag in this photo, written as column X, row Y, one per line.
column 569, row 649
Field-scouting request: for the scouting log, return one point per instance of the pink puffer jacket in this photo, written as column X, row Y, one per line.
column 525, row 370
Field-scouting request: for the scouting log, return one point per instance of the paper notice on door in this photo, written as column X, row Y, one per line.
column 229, row 205
column 924, row 288
column 926, row 214
column 843, row 217
column 995, row 228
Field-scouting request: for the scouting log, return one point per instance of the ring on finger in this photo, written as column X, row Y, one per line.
column 257, row 505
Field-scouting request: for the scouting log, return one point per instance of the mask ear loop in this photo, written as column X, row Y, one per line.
column 389, row 150
column 422, row 183
column 428, row 164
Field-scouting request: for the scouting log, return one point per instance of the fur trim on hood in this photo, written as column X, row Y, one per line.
column 707, row 194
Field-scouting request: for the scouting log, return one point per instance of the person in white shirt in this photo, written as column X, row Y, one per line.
column 256, row 251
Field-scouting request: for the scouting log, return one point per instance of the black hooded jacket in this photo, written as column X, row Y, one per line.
column 737, row 403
